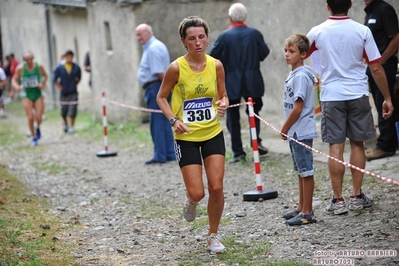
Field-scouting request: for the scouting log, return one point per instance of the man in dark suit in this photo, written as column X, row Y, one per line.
column 241, row 49
column 382, row 20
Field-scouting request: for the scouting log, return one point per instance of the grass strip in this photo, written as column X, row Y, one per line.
column 29, row 234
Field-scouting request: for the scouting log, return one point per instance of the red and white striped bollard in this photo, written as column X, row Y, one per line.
column 259, row 193
column 105, row 152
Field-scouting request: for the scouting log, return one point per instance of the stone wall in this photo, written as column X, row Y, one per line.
column 105, row 23
column 275, row 19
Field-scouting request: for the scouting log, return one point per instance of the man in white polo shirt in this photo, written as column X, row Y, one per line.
column 342, row 45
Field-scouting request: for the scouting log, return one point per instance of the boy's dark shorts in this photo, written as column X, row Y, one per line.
column 69, row 109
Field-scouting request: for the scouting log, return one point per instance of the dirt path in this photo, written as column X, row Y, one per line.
column 117, row 211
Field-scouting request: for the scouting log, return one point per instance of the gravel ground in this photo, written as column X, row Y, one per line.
column 117, row 211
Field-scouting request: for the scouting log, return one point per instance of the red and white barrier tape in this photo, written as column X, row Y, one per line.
column 236, row 105
column 258, row 178
column 134, row 107
column 72, row 102
column 386, row 179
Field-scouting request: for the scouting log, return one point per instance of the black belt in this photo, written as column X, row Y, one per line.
column 149, row 83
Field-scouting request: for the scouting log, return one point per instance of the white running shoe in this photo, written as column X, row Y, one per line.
column 190, row 210
column 338, row 207
column 363, row 201
column 70, row 130
column 214, row 244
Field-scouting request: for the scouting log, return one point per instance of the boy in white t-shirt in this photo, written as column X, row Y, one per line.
column 300, row 124
column 346, row 113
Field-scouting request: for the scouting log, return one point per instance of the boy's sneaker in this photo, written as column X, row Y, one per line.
column 65, row 127
column 337, row 207
column 34, row 142
column 291, row 214
column 214, row 244
column 190, row 210
column 361, row 201
column 38, row 133
column 70, row 130
column 301, row 219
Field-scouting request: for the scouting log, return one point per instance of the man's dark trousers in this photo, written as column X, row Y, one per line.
column 161, row 131
column 234, row 126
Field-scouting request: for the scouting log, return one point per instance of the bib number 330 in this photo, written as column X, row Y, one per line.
column 198, row 110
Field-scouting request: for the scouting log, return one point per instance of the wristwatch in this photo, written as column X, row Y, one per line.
column 173, row 120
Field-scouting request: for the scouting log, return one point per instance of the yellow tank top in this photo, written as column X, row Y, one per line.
column 194, row 101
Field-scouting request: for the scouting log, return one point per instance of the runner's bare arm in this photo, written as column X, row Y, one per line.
column 170, row 79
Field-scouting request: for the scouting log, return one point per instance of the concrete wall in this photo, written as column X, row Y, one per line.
column 275, row 19
column 114, row 70
column 69, row 32
column 23, row 28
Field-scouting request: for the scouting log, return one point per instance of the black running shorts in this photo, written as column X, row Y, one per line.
column 190, row 152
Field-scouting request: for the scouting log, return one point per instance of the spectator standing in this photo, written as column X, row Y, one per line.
column 154, row 62
column 241, row 49
column 198, row 99
column 7, row 72
column 300, row 124
column 66, row 79
column 346, row 112
column 13, row 65
column 87, row 66
column 382, row 20
column 3, row 84
column 33, row 78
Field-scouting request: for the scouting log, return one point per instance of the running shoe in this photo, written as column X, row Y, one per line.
column 38, row 133
column 190, row 210
column 71, row 130
column 214, row 244
column 360, row 202
column 291, row 214
column 302, row 219
column 34, row 142
column 65, row 127
column 337, row 207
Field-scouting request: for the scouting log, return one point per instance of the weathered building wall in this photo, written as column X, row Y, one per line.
column 69, row 32
column 23, row 26
column 114, row 67
column 115, row 58
column 275, row 19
